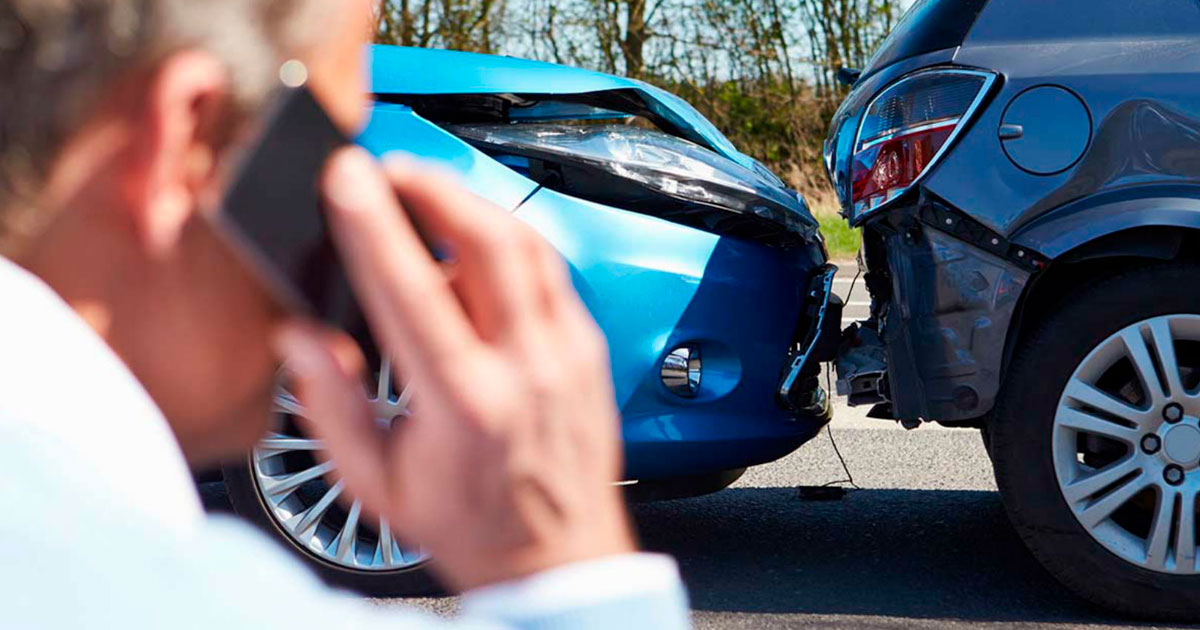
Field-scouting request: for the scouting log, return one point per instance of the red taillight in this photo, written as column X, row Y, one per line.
column 890, row 167
column 905, row 130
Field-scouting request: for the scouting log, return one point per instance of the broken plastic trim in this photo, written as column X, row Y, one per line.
column 950, row 291
column 652, row 172
column 822, row 322
column 862, row 366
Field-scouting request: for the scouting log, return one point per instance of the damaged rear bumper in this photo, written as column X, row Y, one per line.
column 944, row 292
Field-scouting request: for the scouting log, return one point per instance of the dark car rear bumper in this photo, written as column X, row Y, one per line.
column 944, row 290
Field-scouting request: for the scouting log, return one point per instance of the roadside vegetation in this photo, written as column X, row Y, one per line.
column 840, row 238
column 764, row 71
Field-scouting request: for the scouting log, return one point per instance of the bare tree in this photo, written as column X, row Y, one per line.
column 762, row 70
column 844, row 33
column 474, row 25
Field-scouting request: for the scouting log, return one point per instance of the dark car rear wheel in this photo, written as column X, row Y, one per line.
column 288, row 489
column 1096, row 442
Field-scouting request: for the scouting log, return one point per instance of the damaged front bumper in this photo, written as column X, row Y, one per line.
column 675, row 241
column 944, row 291
column 818, row 334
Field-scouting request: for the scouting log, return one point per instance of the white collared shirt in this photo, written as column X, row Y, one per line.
column 101, row 526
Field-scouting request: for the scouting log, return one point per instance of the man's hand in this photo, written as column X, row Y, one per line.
column 506, row 467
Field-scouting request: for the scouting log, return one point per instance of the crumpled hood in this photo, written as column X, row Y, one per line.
column 727, row 192
column 401, row 70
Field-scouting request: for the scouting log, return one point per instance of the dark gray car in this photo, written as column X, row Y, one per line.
column 1027, row 177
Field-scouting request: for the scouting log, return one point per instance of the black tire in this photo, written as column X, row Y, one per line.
column 247, row 503
column 1020, row 436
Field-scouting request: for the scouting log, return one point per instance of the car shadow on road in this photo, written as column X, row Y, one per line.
column 916, row 554
column 921, row 554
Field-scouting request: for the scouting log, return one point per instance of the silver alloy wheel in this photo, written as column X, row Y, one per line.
column 293, row 483
column 1126, row 444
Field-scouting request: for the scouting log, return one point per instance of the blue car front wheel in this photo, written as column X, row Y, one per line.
column 289, row 490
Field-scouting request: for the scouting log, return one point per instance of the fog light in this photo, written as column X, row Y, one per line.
column 681, row 371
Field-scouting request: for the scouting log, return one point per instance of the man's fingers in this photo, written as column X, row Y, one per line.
column 336, row 410
column 345, row 351
column 408, row 299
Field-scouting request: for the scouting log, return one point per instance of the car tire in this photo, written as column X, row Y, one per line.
column 247, row 502
column 288, row 489
column 1030, row 427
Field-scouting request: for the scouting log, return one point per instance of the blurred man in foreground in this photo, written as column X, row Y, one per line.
column 134, row 344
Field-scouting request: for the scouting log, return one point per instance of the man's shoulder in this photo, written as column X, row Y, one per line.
column 70, row 407
column 71, row 556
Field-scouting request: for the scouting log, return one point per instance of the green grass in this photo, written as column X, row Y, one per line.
column 840, row 238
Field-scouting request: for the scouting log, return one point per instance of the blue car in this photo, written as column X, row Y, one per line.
column 705, row 271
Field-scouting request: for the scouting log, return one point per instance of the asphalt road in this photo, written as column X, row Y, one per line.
column 857, row 302
column 923, row 544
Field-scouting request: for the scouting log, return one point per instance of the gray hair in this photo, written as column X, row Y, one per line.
column 57, row 58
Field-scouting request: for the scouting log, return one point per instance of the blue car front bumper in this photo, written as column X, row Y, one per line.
column 653, row 286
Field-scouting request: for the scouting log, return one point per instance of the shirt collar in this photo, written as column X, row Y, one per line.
column 63, row 390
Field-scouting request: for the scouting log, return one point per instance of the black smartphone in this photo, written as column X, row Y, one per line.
column 272, row 210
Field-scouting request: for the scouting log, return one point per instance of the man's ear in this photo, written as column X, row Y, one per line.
column 183, row 125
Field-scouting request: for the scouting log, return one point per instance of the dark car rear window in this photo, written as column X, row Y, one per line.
column 928, row 26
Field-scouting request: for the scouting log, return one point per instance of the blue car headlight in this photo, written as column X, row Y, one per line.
column 649, row 171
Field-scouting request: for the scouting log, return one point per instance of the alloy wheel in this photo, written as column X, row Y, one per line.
column 294, row 482
column 1126, row 443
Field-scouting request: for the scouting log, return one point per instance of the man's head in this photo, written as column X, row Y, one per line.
column 116, row 119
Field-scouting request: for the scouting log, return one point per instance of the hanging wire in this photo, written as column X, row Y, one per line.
column 823, row 491
column 853, row 283
column 829, row 387
column 829, row 431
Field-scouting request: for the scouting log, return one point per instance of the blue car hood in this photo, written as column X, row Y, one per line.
column 418, row 71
